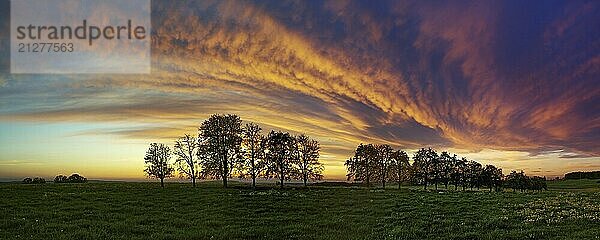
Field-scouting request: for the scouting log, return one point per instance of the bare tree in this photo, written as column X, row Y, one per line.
column 185, row 150
column 307, row 151
column 251, row 144
column 220, row 138
column 157, row 162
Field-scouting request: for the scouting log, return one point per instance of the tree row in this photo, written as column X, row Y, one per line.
column 381, row 163
column 225, row 147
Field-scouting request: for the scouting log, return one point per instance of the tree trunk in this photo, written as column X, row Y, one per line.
column 253, row 173
column 368, row 184
column 425, row 185
column 281, row 178
column 436, row 185
column 399, row 179
column 162, row 183
column 305, row 179
column 367, row 170
column 225, row 171
column 383, row 178
column 194, row 181
column 455, row 186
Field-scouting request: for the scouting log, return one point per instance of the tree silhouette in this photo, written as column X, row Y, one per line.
column 252, row 146
column 399, row 166
column 458, row 175
column 582, row 175
column 492, row 177
column 380, row 162
column 279, row 156
column 520, row 181
column 474, row 172
column 220, row 138
column 361, row 166
column 307, row 151
column 39, row 180
column 424, row 168
column 383, row 159
column 537, row 183
column 76, row 178
column 445, row 167
column 61, row 179
column 157, row 162
column 36, row 180
column 186, row 152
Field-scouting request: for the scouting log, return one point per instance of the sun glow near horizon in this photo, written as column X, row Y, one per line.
column 521, row 94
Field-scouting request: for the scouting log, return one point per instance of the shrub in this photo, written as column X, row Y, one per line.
column 38, row 180
column 61, row 179
column 76, row 178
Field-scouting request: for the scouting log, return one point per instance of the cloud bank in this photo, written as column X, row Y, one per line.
column 503, row 75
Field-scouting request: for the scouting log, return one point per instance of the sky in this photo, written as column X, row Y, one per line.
column 510, row 83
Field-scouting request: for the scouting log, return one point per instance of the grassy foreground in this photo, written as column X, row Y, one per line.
column 144, row 211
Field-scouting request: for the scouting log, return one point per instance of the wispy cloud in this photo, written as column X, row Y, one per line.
column 466, row 75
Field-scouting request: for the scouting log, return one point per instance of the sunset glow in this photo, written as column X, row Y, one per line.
column 512, row 84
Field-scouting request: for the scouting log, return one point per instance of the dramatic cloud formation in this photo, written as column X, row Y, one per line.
column 499, row 81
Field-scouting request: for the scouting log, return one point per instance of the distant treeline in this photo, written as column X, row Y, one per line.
column 74, row 178
column 381, row 163
column 225, row 148
column 36, row 180
column 583, row 175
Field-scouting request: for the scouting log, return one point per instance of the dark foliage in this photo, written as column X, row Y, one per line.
column 61, row 179
column 224, row 149
column 74, row 178
column 157, row 162
column 381, row 163
column 27, row 180
column 38, row 180
column 519, row 181
column 583, row 175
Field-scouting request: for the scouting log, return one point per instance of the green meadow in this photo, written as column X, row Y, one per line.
column 110, row 210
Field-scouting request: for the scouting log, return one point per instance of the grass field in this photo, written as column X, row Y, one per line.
column 144, row 211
